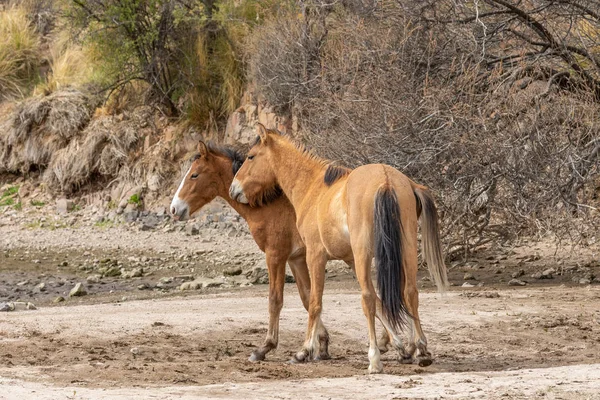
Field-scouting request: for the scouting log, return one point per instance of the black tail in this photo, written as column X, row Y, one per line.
column 388, row 256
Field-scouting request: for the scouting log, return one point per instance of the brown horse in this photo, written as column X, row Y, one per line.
column 273, row 227
column 352, row 215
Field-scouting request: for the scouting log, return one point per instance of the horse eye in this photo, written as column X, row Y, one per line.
column 250, row 157
column 194, row 176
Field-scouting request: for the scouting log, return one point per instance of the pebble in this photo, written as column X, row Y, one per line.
column 233, row 271
column 516, row 282
column 518, row 273
column 78, row 290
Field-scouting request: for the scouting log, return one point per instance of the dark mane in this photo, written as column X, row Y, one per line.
column 334, row 172
column 237, row 158
column 267, row 196
column 235, row 155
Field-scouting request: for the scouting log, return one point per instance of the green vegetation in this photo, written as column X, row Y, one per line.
column 7, row 198
column 37, row 203
column 10, row 191
column 104, row 224
column 135, row 199
column 8, row 201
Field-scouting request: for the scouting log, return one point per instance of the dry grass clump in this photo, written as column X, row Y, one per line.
column 71, row 65
column 40, row 126
column 19, row 46
column 105, row 149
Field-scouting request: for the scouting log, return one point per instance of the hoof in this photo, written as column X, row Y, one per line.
column 425, row 362
column 382, row 349
column 406, row 360
column 323, row 357
column 256, row 356
column 377, row 369
column 299, row 358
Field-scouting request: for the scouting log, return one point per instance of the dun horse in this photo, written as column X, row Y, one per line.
column 352, row 215
column 273, row 227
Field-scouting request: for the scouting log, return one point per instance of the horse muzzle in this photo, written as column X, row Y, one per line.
column 179, row 209
column 237, row 193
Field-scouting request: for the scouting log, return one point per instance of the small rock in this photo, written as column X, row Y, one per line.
column 537, row 275
column 143, row 286
column 584, row 281
column 192, row 230
column 135, row 351
column 78, row 290
column 518, row 273
column 111, row 271
column 93, row 278
column 468, row 277
column 467, row 285
column 548, row 273
column 193, row 285
column 258, row 275
column 59, row 299
column 516, row 282
column 42, row 287
column 233, row 271
column 290, row 278
column 134, row 273
column 63, row 206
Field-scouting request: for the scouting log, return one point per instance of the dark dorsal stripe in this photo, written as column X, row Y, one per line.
column 335, row 172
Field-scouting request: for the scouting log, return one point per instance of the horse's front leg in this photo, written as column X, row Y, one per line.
column 315, row 340
column 276, row 266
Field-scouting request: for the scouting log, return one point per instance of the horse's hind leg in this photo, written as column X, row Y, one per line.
column 276, row 265
column 300, row 271
column 417, row 340
column 390, row 336
column 316, row 261
column 362, row 261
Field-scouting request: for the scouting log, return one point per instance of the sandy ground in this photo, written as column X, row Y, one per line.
column 490, row 340
column 534, row 343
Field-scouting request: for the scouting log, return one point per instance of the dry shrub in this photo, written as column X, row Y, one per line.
column 19, row 46
column 214, row 77
column 71, row 65
column 40, row 126
column 284, row 59
column 507, row 149
column 104, row 149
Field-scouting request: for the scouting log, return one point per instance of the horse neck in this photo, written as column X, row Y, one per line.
column 225, row 178
column 296, row 171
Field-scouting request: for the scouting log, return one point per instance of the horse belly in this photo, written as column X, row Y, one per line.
column 333, row 228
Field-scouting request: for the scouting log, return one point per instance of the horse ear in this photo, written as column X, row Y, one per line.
column 262, row 132
column 202, row 149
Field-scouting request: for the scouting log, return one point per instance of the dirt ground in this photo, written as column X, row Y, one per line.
column 490, row 340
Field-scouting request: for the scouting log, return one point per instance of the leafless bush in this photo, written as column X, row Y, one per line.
column 499, row 116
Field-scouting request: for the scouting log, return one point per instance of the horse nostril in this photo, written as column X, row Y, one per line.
column 173, row 210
